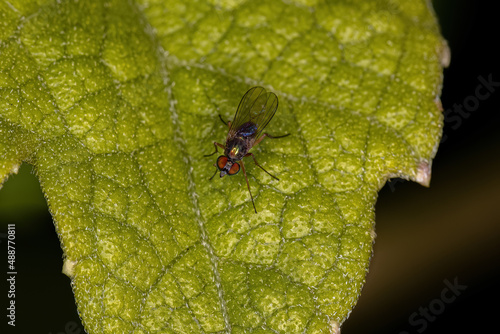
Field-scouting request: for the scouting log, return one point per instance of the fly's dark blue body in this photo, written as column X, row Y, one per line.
column 243, row 140
column 254, row 112
column 248, row 129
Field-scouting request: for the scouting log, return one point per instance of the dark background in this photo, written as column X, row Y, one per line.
column 450, row 231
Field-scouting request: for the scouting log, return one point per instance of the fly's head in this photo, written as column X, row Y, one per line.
column 227, row 166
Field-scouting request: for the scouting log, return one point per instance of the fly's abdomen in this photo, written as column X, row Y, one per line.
column 247, row 129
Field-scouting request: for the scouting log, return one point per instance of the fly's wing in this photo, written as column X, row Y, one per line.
column 257, row 106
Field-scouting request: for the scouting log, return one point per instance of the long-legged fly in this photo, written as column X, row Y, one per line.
column 255, row 111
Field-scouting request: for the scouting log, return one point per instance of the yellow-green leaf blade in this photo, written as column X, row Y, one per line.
column 150, row 243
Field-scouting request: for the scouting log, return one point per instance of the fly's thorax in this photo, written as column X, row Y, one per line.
column 237, row 147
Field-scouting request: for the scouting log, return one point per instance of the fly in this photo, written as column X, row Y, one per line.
column 255, row 111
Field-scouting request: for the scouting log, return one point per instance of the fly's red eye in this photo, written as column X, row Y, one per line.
column 235, row 168
column 221, row 162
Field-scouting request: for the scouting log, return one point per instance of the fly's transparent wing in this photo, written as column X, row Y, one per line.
column 258, row 107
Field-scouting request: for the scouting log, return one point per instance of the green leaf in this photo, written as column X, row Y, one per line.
column 115, row 103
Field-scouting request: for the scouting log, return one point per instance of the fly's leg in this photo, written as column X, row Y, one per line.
column 215, row 145
column 228, row 124
column 216, row 170
column 248, row 184
column 207, row 155
column 223, row 121
column 264, row 135
column 253, row 156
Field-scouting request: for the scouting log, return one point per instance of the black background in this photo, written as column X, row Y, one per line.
column 424, row 235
